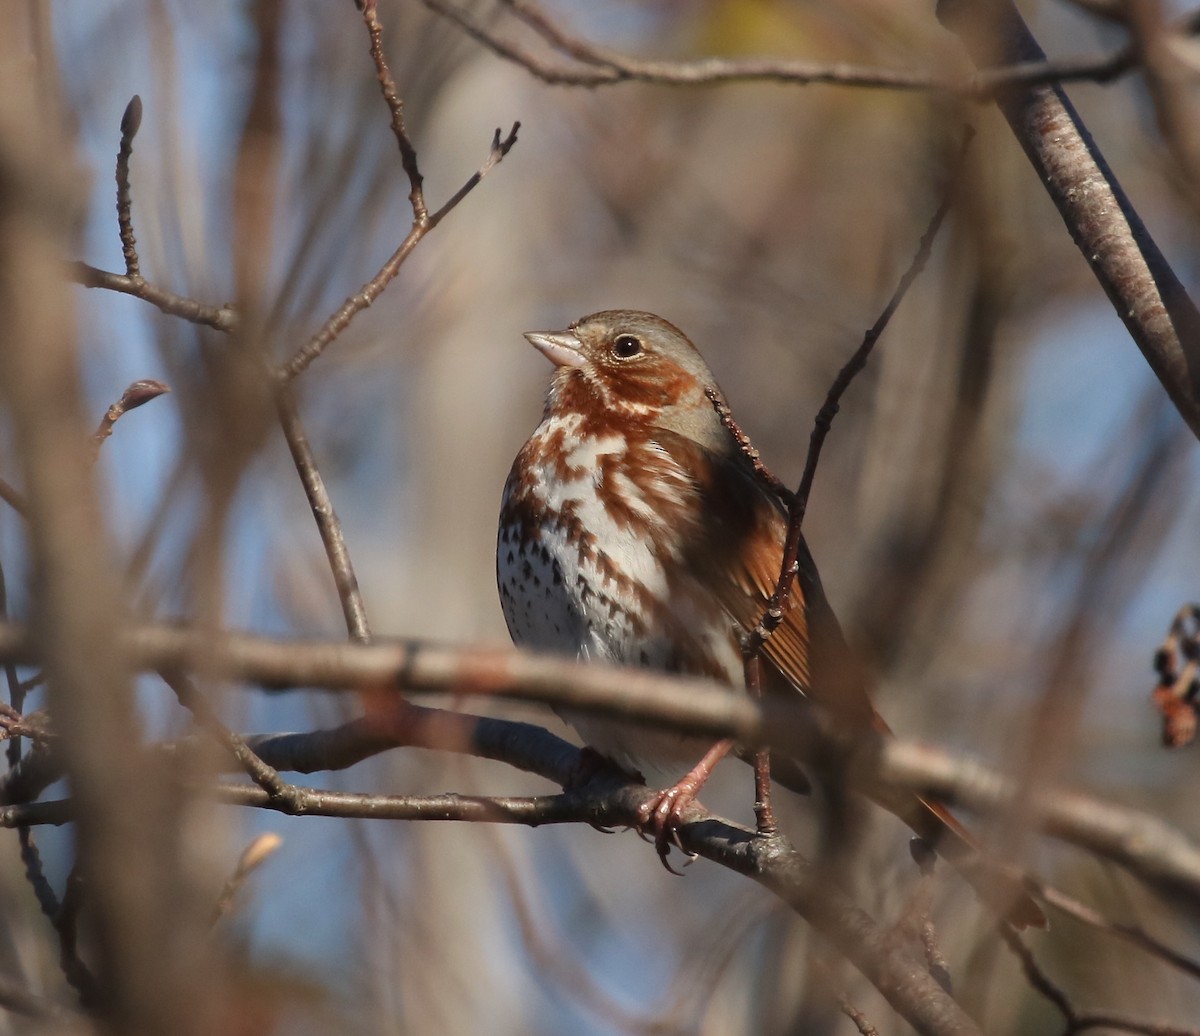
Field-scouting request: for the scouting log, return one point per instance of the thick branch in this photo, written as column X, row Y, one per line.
column 1146, row 846
column 1153, row 850
column 687, row 704
column 613, row 800
column 1144, row 291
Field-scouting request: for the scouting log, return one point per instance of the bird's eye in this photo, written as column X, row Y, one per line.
column 625, row 346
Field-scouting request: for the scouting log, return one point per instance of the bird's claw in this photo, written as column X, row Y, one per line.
column 659, row 821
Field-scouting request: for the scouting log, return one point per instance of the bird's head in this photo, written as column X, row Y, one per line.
column 620, row 363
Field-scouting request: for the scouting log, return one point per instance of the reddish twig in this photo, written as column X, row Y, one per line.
column 781, row 599
column 751, row 666
column 131, row 122
column 136, row 395
column 864, row 1027
column 764, row 815
column 769, row 478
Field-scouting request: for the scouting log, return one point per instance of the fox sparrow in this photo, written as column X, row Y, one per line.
column 635, row 530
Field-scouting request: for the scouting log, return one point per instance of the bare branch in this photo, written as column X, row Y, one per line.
column 1078, row 1021
column 614, row 800
column 422, row 222
column 131, row 122
column 265, row 776
column 137, row 394
column 781, row 599
column 604, row 67
column 1143, row 288
column 391, row 97
column 220, row 318
column 1157, row 853
column 1130, row 933
column 1149, row 848
column 354, row 608
column 253, row 856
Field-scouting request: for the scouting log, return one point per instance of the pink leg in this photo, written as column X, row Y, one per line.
column 664, row 814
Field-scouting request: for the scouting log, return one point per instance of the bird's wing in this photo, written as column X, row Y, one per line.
column 737, row 552
column 808, row 648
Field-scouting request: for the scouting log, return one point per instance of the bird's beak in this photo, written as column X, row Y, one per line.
column 561, row 348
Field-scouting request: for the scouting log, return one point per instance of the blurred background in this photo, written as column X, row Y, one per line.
column 1006, row 470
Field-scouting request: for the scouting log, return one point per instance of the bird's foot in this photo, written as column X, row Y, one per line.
column 662, row 816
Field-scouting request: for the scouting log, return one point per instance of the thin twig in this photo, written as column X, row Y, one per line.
column 1077, row 1021
column 220, row 318
column 864, row 1027
column 604, row 67
column 137, row 394
column 781, row 599
column 769, row 478
column 751, row 667
column 131, row 122
column 423, row 222
column 1133, row 934
column 35, row 873
column 764, row 815
column 354, row 608
column 253, row 856
column 66, row 923
column 370, row 291
column 265, row 776
column 392, row 98
column 131, row 282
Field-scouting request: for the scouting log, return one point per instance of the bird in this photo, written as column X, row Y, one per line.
column 635, row 529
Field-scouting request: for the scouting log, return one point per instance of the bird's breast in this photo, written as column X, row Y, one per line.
column 593, row 535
